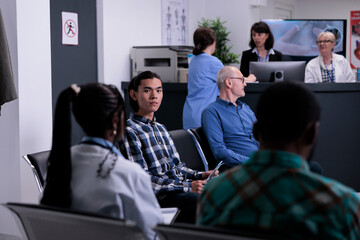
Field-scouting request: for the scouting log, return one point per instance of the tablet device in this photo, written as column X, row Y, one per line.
column 213, row 172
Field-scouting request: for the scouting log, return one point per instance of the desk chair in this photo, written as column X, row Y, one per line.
column 189, row 149
column 39, row 222
column 38, row 164
column 182, row 231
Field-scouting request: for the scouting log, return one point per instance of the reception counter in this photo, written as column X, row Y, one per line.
column 338, row 147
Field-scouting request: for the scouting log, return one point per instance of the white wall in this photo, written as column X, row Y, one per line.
column 34, row 81
column 123, row 24
column 9, row 129
column 239, row 16
column 26, row 123
column 126, row 23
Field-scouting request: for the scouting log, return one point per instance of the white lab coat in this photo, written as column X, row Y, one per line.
column 343, row 72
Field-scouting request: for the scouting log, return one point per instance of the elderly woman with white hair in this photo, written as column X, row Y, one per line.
column 328, row 66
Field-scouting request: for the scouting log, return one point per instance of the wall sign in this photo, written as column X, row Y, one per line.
column 355, row 39
column 70, row 28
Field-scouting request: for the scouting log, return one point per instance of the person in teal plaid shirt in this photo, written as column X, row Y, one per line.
column 275, row 190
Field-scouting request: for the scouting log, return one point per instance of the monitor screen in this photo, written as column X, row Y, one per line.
column 296, row 39
column 278, row 71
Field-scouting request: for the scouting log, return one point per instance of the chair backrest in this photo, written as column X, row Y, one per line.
column 201, row 138
column 188, row 231
column 38, row 222
column 189, row 149
column 38, row 163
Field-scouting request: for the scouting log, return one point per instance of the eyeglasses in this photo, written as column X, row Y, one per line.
column 324, row 41
column 242, row 79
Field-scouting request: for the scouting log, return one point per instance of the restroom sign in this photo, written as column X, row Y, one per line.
column 70, row 28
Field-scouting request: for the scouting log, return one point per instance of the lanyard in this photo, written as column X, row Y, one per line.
column 102, row 143
column 332, row 71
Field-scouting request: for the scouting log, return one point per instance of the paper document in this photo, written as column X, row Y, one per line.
column 169, row 214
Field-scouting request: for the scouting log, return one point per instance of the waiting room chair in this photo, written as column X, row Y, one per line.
column 182, row 231
column 201, row 138
column 38, row 222
column 189, row 149
column 38, row 164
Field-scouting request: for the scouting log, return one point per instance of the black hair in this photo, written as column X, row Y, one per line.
column 93, row 107
column 203, row 37
column 134, row 85
column 284, row 110
column 262, row 27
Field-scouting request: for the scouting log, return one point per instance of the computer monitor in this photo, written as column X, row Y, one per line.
column 278, row 71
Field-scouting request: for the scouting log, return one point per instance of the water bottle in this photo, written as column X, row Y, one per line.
column 358, row 74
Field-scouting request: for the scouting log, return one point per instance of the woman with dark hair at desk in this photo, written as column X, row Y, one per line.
column 261, row 43
column 93, row 176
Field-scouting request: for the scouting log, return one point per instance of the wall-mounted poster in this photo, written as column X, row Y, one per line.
column 174, row 22
column 70, row 28
column 355, row 39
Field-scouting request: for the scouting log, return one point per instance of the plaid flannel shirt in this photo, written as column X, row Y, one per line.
column 149, row 144
column 275, row 190
column 325, row 75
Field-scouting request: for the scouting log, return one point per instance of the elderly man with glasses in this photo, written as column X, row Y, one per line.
column 228, row 122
